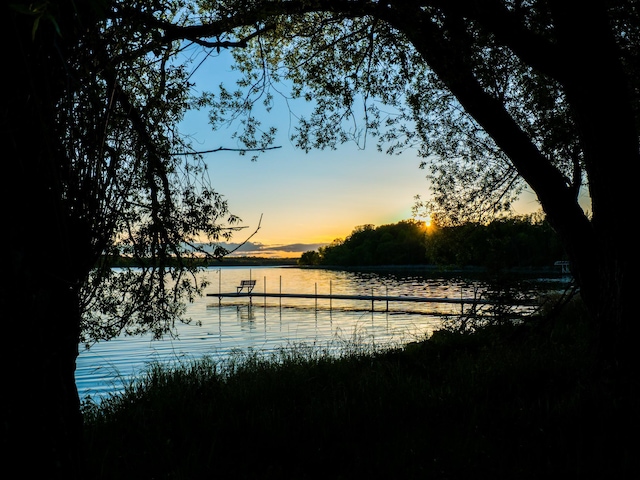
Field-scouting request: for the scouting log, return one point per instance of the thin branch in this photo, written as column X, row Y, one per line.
column 242, row 43
column 225, row 149
column 248, row 238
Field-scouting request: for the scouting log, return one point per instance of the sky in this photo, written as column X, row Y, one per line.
column 304, row 200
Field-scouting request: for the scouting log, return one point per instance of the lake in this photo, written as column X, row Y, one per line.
column 223, row 325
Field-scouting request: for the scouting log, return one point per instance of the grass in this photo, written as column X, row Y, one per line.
column 516, row 402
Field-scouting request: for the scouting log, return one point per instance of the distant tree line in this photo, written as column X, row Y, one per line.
column 131, row 262
column 526, row 241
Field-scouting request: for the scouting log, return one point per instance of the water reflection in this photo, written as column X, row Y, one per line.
column 245, row 313
column 265, row 323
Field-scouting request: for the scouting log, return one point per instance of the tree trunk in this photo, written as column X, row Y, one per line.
column 603, row 275
column 39, row 308
column 599, row 91
column 42, row 424
column 587, row 63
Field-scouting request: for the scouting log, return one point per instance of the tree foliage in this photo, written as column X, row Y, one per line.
column 501, row 244
column 381, row 86
column 402, row 243
column 120, row 179
column 495, row 96
column 516, row 242
column 161, row 206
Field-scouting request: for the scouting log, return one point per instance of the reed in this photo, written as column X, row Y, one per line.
column 511, row 402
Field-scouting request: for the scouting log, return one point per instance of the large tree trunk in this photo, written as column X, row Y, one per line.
column 603, row 273
column 586, row 62
column 42, row 425
column 601, row 96
column 41, row 420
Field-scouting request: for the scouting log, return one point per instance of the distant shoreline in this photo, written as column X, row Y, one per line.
column 292, row 262
column 254, row 262
column 445, row 269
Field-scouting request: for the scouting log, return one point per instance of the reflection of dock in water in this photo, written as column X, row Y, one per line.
column 335, row 296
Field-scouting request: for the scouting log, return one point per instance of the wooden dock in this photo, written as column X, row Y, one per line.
column 371, row 298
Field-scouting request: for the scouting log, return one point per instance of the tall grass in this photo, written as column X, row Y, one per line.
column 521, row 402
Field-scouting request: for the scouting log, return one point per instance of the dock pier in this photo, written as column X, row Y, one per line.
column 372, row 298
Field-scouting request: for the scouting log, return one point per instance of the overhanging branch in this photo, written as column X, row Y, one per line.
column 225, row 149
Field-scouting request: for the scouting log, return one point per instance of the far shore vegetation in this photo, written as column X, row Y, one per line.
column 231, row 261
column 506, row 243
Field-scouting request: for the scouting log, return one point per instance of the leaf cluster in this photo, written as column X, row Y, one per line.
column 364, row 77
column 123, row 187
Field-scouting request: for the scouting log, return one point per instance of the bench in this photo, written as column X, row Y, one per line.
column 248, row 284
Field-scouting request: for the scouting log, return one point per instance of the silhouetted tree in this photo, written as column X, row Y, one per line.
column 501, row 244
column 402, row 243
column 309, row 258
column 495, row 95
column 88, row 131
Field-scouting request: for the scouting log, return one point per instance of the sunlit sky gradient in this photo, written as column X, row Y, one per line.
column 305, row 200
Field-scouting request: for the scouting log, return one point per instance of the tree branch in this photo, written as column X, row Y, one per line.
column 225, row 149
column 246, row 239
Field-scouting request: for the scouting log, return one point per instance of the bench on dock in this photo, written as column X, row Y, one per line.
column 248, row 284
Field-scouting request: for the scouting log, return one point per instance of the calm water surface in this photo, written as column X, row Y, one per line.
column 265, row 324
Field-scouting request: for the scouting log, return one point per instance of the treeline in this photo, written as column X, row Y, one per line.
column 505, row 243
column 249, row 261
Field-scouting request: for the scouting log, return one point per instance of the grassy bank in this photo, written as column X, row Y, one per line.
column 518, row 403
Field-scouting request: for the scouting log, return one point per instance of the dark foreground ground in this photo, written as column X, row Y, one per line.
column 528, row 402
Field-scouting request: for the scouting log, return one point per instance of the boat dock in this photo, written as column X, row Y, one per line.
column 372, row 298
column 246, row 290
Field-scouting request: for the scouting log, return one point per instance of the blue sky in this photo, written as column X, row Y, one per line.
column 305, row 200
